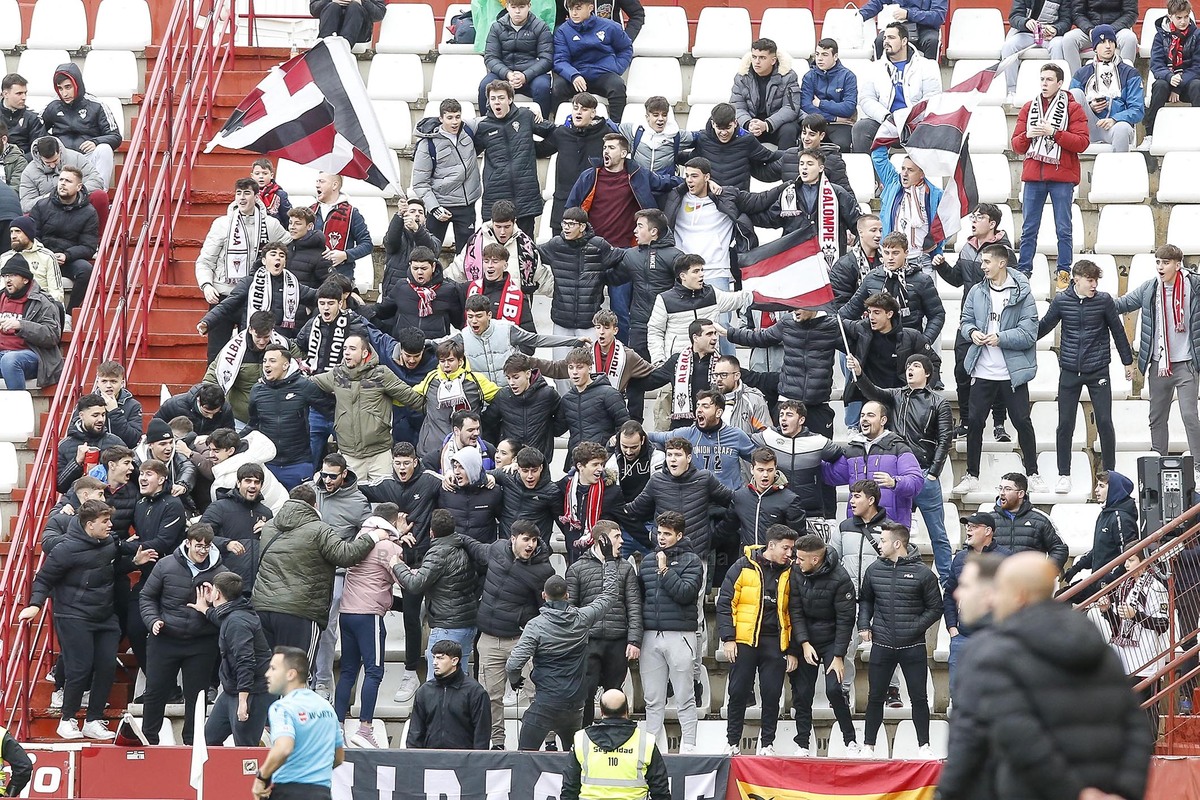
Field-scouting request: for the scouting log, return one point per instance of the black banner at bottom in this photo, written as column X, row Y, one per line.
column 495, row 775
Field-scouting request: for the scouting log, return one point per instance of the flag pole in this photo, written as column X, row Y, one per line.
column 841, row 326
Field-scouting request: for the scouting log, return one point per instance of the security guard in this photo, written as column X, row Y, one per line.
column 615, row 759
column 14, row 755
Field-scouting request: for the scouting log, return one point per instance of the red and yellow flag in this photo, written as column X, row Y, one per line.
column 824, row 779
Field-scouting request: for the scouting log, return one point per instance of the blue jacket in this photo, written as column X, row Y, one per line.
column 1131, row 105
column 360, row 236
column 889, row 198
column 720, row 450
column 592, row 48
column 582, row 193
column 1018, row 327
column 956, row 567
column 837, row 89
column 925, row 13
column 1160, row 68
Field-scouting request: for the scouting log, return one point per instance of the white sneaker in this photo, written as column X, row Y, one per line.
column 802, row 752
column 769, row 750
column 408, row 687
column 687, row 749
column 866, row 751
column 510, row 696
column 1145, row 145
column 323, row 690
column 69, row 729
column 56, row 698
column 968, row 484
column 925, row 752
column 96, row 729
column 1010, row 99
column 1037, row 485
column 733, row 750
column 853, row 750
column 1064, row 485
column 364, row 738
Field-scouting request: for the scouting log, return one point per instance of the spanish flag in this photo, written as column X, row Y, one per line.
column 824, row 779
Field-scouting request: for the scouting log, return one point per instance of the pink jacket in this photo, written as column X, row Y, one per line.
column 368, row 588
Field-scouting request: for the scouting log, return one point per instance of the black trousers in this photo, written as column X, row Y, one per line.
column 962, row 386
column 542, row 718
column 606, row 666
column 912, row 662
column 219, row 334
column 91, row 663
column 288, row 630
column 769, row 664
column 166, row 658
column 783, row 137
column 80, row 272
column 1159, row 93
column 410, row 605
column 223, row 722
column 463, row 220
column 347, row 21
column 300, row 791
column 804, row 689
column 1070, row 386
column 608, row 85
column 984, row 395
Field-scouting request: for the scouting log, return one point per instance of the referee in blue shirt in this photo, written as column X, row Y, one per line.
column 306, row 738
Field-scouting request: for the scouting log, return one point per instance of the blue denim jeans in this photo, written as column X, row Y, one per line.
column 16, row 366
column 319, row 428
column 291, row 475
column 929, row 502
column 956, row 646
column 464, row 636
column 723, row 285
column 1033, row 198
column 618, row 300
column 363, row 639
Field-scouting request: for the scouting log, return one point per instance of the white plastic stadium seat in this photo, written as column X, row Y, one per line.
column 1175, row 129
column 969, row 68
column 988, row 130
column 992, row 176
column 650, row 76
column 1119, row 178
column 712, row 80
column 10, row 24
column 1028, row 82
column 1125, row 230
column 861, row 173
column 122, row 25
column 117, row 109
column 398, row 76
column 1141, row 269
column 446, row 45
column 1177, row 178
column 722, row 32
column 37, row 67
column 1148, row 28
column 1048, row 238
column 456, row 76
column 905, row 745
column 975, row 33
column 698, row 116
column 1183, row 229
column 8, row 467
column 1076, row 524
column 111, row 72
column 407, row 28
column 16, row 416
column 855, row 36
column 375, row 214
column 295, row 179
column 664, row 34
column 792, row 29
column 395, row 119
column 57, row 24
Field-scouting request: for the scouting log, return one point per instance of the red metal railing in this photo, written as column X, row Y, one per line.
column 173, row 122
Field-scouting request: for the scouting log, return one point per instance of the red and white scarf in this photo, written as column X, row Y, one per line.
column 269, row 194
column 613, row 365
column 336, row 225
column 512, row 299
column 1175, row 39
column 1177, row 299
column 425, row 297
column 681, row 399
column 593, row 506
column 827, row 215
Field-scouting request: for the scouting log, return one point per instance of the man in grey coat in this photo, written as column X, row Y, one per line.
column 557, row 641
column 446, row 173
column 766, row 95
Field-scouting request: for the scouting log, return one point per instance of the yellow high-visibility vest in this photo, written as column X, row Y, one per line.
column 614, row 774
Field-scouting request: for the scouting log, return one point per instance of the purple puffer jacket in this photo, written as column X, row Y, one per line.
column 890, row 454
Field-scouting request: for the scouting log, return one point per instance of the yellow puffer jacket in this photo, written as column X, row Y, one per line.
column 739, row 603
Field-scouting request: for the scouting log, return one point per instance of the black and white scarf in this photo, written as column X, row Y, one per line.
column 229, row 360
column 261, row 296
column 316, row 362
column 827, row 219
column 681, row 399
column 246, row 235
column 1044, row 148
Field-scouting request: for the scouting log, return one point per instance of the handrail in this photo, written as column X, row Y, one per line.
column 173, row 121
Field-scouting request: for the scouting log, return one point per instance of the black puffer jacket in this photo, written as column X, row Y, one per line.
column 123, row 501
column 417, row 497
column 245, row 655
column 402, row 305
column 847, row 273
column 306, row 259
column 593, row 415
column 512, row 587
column 528, row 49
column 186, row 405
column 799, row 458
column 23, row 125
column 751, row 512
column 169, row 589
column 623, row 620
column 576, row 148
column 529, row 417
column 449, row 582
column 1116, row 526
column 510, row 165
column 733, row 162
column 788, row 166
column 73, row 230
column 233, row 518
column 921, row 308
column 1029, row 529
column 476, row 509
column 1121, row 14
column 159, row 520
column 693, row 494
column 822, row 605
column 921, row 416
column 899, row 601
column 650, row 269
column 84, row 119
column 81, row 575
column 669, row 600
column 808, row 351
column 450, row 713
column 279, row 410
column 542, row 504
column 398, row 243
column 69, row 470
column 581, row 268
column 1086, row 324
column 1057, row 708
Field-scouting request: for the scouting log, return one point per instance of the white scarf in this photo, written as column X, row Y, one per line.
column 242, row 248
column 1044, row 148
column 912, row 218
column 229, row 360
column 1105, row 83
column 315, row 362
column 681, row 399
column 451, row 393
column 260, row 298
column 828, row 215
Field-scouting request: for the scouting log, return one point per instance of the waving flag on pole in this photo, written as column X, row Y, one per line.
column 314, row 110
column 787, row 273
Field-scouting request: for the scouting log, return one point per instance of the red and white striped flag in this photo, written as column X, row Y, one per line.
column 314, row 110
column 787, row 273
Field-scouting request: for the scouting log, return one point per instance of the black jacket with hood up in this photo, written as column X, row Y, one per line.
column 84, row 119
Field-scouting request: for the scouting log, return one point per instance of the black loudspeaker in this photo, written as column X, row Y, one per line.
column 1165, row 488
